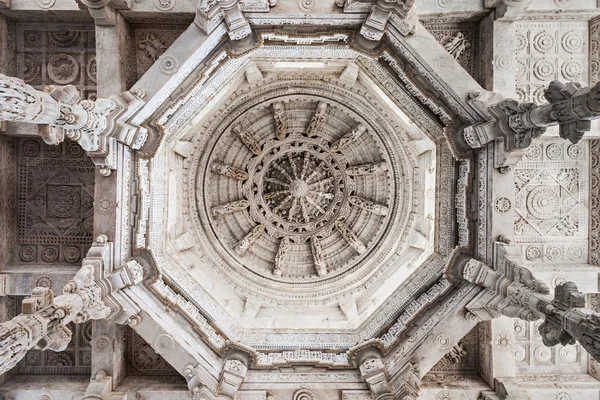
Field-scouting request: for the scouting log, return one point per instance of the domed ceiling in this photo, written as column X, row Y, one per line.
column 298, row 195
column 308, row 201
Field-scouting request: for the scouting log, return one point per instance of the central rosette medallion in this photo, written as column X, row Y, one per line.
column 300, row 186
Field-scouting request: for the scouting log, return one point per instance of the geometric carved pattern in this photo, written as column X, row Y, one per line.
column 550, row 214
column 548, row 51
column 532, row 356
column 8, row 172
column 57, row 54
column 594, row 51
column 142, row 359
column 594, row 203
column 55, row 203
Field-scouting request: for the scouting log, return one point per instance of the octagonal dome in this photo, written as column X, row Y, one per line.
column 301, row 197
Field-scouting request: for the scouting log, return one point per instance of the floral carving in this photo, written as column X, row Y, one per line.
column 298, row 189
column 502, row 205
column 63, row 68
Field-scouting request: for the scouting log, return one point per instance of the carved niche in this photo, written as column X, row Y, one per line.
column 461, row 40
column 55, row 203
column 142, row 360
column 462, row 359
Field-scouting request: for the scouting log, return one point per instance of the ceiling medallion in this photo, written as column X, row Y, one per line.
column 298, row 190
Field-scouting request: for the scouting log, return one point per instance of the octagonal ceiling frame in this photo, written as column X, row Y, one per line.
column 440, row 269
column 454, row 101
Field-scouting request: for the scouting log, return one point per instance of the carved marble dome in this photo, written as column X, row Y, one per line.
column 300, row 194
column 301, row 191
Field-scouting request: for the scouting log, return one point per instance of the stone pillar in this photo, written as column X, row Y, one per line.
column 60, row 113
column 514, row 292
column 570, row 106
column 92, row 294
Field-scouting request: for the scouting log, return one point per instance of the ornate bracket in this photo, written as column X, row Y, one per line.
column 517, row 124
column 402, row 12
column 61, row 113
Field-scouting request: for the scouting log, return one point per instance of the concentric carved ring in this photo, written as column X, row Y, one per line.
column 300, row 187
column 299, row 190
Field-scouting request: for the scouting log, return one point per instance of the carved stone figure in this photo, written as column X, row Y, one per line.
column 317, row 120
column 280, row 117
column 457, row 45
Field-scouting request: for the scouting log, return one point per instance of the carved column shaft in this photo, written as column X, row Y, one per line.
column 569, row 106
column 62, row 114
column 90, row 295
column 514, row 292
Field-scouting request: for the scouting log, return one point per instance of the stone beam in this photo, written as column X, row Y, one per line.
column 161, row 80
column 19, row 280
column 112, row 46
column 173, row 337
